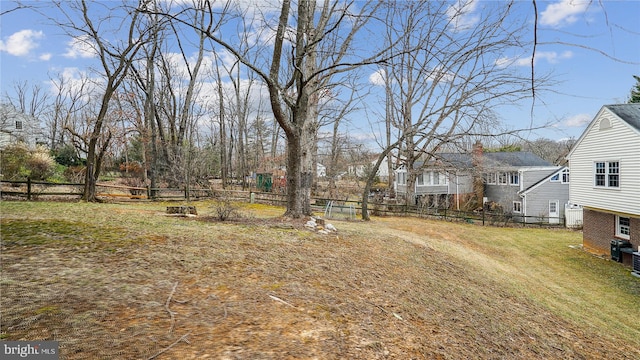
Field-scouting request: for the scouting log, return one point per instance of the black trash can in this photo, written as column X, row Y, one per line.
column 616, row 249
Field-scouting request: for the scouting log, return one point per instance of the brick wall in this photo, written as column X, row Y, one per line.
column 597, row 231
column 600, row 228
column 635, row 233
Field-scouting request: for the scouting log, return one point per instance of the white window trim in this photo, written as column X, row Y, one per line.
column 519, row 203
column 511, row 175
column 559, row 177
column 492, row 179
column 402, row 178
column 435, row 176
column 618, row 228
column 606, row 174
column 444, row 178
column 565, row 172
column 505, row 177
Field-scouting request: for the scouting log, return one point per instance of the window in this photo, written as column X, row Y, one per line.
column 490, row 178
column 502, row 178
column 614, row 174
column 517, row 207
column 561, row 177
column 435, row 178
column 565, row 176
column 514, row 178
column 432, row 178
column 600, row 173
column 607, row 174
column 623, row 227
column 444, row 178
column 18, row 124
column 402, row 178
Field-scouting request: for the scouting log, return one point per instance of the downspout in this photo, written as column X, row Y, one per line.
column 457, row 194
column 522, row 195
column 520, row 178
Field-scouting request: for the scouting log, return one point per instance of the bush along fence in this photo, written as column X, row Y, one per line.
column 332, row 208
column 34, row 190
column 42, row 190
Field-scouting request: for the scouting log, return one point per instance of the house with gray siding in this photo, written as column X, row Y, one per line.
column 443, row 182
column 605, row 179
column 547, row 198
column 520, row 183
column 517, row 183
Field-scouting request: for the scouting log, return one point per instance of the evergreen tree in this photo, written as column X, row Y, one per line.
column 634, row 98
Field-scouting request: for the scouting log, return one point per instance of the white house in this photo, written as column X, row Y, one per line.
column 605, row 178
column 321, row 170
column 360, row 170
column 18, row 127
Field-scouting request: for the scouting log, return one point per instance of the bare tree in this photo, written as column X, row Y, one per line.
column 446, row 89
column 66, row 103
column 115, row 57
column 29, row 99
column 448, row 76
column 291, row 92
column 550, row 150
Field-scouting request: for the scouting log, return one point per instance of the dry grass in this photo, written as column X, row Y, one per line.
column 127, row 281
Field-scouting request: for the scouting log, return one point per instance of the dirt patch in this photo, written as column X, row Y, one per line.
column 266, row 289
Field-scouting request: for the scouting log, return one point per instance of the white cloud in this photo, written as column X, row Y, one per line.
column 563, row 12
column 505, row 61
column 461, row 15
column 80, row 47
column 440, row 75
column 377, row 78
column 22, row 42
column 74, row 81
column 553, row 57
column 578, row 120
column 550, row 57
column 45, row 56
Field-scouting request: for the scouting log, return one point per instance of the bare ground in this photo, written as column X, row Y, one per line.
column 140, row 285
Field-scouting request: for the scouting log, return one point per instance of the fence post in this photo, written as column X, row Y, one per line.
column 483, row 217
column 28, row 188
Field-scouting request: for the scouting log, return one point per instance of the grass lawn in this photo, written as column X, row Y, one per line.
column 127, row 281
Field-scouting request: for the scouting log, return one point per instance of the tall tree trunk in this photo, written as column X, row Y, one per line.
column 294, row 177
column 93, row 154
column 307, row 111
column 223, row 129
column 332, row 168
column 150, row 126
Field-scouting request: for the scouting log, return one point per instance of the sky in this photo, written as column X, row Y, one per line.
column 592, row 48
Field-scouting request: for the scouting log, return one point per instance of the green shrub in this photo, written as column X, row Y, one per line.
column 13, row 162
column 19, row 163
column 68, row 156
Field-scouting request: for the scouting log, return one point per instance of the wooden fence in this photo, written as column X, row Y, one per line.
column 332, row 208
column 34, row 190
